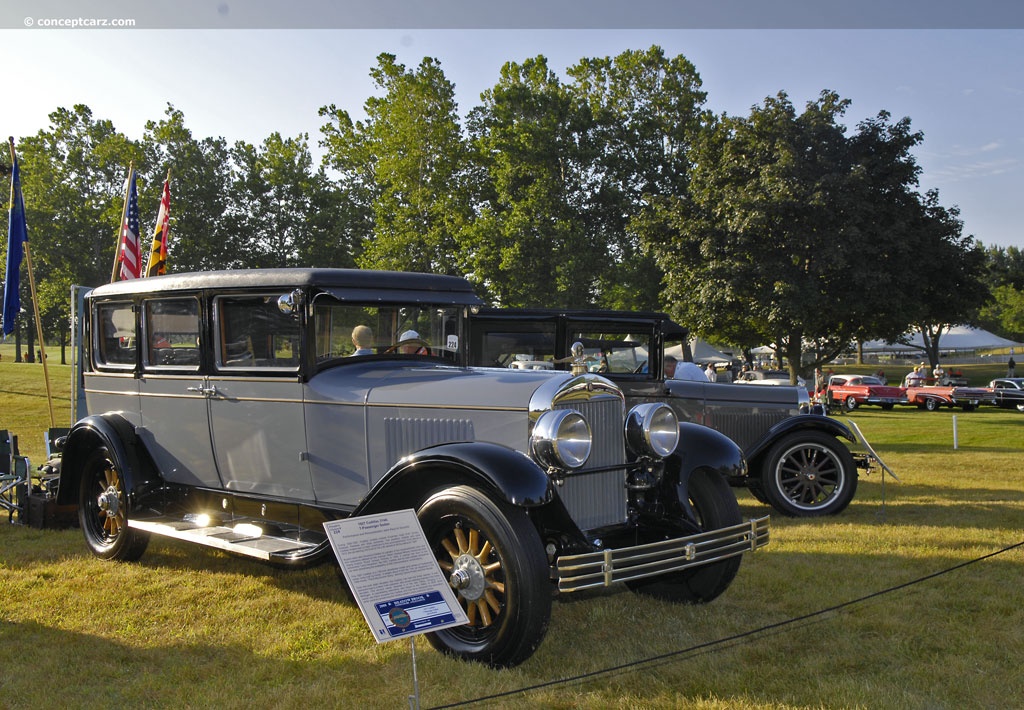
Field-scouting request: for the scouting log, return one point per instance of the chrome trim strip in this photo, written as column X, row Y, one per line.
column 606, row 567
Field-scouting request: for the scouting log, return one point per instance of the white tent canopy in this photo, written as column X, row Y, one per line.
column 958, row 338
column 702, row 352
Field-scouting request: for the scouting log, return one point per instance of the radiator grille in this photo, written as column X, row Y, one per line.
column 599, row 499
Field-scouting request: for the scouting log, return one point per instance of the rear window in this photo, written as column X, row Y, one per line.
column 114, row 335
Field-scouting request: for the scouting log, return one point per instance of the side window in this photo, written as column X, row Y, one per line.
column 114, row 335
column 253, row 333
column 171, row 326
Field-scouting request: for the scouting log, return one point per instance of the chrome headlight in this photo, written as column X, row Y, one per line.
column 561, row 438
column 652, row 429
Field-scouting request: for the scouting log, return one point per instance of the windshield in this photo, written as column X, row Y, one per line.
column 358, row 330
column 612, row 352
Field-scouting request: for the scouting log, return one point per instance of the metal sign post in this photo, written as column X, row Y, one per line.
column 395, row 578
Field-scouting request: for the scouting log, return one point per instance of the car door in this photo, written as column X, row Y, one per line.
column 175, row 424
column 255, row 398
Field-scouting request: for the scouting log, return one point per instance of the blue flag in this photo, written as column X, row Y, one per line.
column 17, row 235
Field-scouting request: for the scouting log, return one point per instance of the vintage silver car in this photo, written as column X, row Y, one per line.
column 243, row 410
column 798, row 461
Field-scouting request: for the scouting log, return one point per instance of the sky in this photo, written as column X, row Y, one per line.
column 244, row 76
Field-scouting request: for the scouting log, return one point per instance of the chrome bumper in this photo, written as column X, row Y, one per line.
column 624, row 564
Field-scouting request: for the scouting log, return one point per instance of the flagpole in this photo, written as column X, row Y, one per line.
column 120, row 227
column 35, row 307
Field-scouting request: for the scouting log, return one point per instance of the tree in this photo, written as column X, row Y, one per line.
column 792, row 231
column 73, row 177
column 200, row 192
column 531, row 243
column 1004, row 274
column 408, row 161
column 953, row 291
column 272, row 197
column 646, row 112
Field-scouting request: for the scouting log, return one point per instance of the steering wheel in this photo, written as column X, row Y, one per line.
column 411, row 341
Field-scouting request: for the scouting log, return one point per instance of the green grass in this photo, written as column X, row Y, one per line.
column 191, row 627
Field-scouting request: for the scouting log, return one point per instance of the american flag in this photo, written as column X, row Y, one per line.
column 131, row 263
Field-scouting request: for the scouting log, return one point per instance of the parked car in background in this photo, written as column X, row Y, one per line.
column 1006, row 392
column 769, row 377
column 934, row 397
column 243, row 410
column 799, row 461
column 852, row 391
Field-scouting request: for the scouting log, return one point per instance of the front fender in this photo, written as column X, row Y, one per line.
column 508, row 474
column 702, row 447
column 117, row 435
column 798, row 422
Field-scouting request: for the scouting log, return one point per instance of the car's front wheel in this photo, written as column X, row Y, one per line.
column 495, row 561
column 713, row 505
column 808, row 474
column 103, row 511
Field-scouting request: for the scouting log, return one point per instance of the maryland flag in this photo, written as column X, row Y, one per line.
column 128, row 252
column 158, row 251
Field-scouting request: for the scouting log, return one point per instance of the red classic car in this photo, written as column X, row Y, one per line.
column 932, row 397
column 851, row 391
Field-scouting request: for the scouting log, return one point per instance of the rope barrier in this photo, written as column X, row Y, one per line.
column 727, row 640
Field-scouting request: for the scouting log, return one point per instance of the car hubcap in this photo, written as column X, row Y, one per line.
column 474, row 575
column 808, row 476
column 110, row 503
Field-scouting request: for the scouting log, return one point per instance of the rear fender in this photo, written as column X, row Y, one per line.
column 505, row 473
column 133, row 463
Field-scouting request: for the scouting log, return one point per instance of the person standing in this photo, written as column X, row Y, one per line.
column 712, row 373
column 1011, row 367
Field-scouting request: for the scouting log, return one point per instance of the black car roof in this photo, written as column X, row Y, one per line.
column 356, row 284
column 667, row 326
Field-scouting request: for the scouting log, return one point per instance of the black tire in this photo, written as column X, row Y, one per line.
column 508, row 596
column 849, row 404
column 888, row 407
column 931, row 404
column 713, row 506
column 103, row 513
column 808, row 474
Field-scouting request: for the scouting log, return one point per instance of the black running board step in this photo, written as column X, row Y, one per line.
column 242, row 539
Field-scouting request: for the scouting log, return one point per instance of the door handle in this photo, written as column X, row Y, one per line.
column 205, row 391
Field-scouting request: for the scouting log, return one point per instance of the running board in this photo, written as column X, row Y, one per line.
column 242, row 539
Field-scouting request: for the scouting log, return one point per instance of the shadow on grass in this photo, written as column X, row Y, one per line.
column 62, row 668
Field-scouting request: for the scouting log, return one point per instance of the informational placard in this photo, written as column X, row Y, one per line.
column 393, row 575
